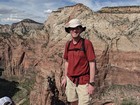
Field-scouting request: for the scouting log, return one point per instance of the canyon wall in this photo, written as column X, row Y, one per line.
column 30, row 46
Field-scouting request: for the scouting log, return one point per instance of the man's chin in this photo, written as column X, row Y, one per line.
column 75, row 36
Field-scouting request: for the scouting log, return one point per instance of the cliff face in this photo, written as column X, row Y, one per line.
column 121, row 9
column 30, row 46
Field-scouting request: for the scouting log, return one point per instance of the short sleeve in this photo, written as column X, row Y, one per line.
column 65, row 56
column 89, row 50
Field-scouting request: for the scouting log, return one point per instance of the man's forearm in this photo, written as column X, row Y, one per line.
column 92, row 71
column 66, row 68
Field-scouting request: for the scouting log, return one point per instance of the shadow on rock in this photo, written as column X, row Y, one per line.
column 55, row 93
column 8, row 88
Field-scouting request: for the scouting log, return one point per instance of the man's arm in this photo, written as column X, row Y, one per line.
column 64, row 80
column 92, row 71
column 66, row 68
column 91, row 86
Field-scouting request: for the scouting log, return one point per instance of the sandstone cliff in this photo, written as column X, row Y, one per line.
column 29, row 47
column 121, row 9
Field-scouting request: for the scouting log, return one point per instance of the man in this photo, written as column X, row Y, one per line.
column 79, row 66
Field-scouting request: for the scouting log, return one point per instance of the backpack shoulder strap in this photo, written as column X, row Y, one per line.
column 68, row 45
column 83, row 45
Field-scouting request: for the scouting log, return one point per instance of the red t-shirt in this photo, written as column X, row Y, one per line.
column 78, row 62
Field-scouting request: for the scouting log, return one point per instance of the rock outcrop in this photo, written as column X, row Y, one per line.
column 31, row 46
column 121, row 9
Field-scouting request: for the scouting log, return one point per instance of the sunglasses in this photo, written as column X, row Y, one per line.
column 76, row 28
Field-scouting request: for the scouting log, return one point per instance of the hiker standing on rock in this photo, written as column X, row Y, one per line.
column 79, row 77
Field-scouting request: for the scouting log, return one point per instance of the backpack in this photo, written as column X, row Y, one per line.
column 76, row 49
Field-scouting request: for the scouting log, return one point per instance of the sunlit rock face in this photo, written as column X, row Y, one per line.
column 31, row 46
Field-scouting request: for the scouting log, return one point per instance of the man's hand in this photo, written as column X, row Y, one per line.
column 91, row 89
column 63, row 83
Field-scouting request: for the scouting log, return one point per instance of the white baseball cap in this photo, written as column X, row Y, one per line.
column 74, row 23
column 4, row 100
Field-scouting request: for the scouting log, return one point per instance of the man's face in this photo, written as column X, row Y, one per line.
column 75, row 32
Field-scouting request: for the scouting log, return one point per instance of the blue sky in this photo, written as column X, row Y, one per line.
column 12, row 11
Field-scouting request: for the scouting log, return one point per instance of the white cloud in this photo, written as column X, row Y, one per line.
column 12, row 18
column 9, row 19
column 47, row 11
